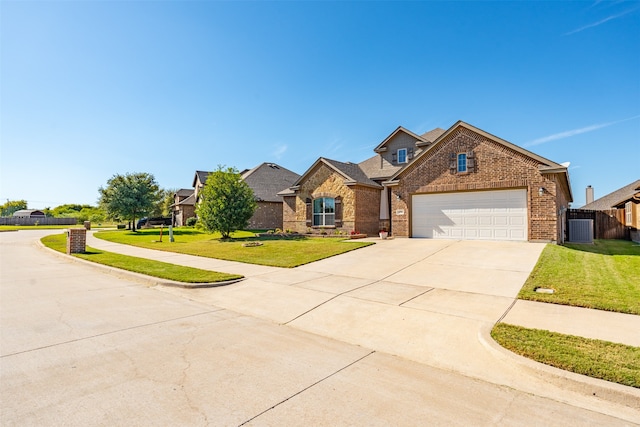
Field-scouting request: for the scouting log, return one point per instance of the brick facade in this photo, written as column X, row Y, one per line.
column 76, row 241
column 268, row 215
column 359, row 205
column 496, row 167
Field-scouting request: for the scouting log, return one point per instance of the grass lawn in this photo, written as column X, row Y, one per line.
column 599, row 359
column 605, row 276
column 162, row 270
column 289, row 253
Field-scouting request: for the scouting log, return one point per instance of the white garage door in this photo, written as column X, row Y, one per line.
column 481, row 215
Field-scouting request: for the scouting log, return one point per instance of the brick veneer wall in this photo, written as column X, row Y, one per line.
column 368, row 210
column 497, row 167
column 77, row 241
column 360, row 205
column 268, row 215
column 184, row 212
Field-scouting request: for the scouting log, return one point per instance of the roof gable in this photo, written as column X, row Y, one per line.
column 351, row 173
column 614, row 198
column 546, row 165
column 382, row 146
column 200, row 176
column 268, row 179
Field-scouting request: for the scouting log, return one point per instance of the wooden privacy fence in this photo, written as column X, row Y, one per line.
column 607, row 224
column 18, row 220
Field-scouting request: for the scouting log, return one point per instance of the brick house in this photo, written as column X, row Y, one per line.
column 459, row 183
column 184, row 206
column 266, row 180
column 626, row 200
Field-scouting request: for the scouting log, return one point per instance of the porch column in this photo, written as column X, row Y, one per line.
column 384, row 203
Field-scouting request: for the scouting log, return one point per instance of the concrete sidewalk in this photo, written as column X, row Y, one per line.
column 428, row 301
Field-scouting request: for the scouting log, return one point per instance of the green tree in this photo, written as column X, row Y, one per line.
column 130, row 196
column 167, row 200
column 227, row 202
column 12, row 206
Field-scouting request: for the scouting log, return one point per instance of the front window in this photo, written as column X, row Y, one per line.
column 402, row 155
column 324, row 211
column 627, row 213
column 462, row 162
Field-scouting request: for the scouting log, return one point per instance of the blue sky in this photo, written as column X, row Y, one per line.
column 89, row 89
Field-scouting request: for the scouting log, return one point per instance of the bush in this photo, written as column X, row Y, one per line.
column 191, row 221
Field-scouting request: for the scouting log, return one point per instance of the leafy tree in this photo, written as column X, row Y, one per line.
column 130, row 196
column 80, row 212
column 167, row 200
column 12, row 206
column 227, row 202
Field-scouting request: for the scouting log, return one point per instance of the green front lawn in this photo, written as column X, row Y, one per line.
column 605, row 276
column 599, row 359
column 290, row 252
column 159, row 269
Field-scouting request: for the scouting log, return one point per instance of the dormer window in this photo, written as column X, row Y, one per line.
column 402, row 155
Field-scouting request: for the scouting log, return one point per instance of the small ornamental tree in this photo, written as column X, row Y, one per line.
column 226, row 202
column 130, row 196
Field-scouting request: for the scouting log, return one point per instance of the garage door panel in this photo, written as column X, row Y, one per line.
column 488, row 215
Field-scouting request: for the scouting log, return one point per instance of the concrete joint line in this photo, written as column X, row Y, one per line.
column 368, row 284
column 307, row 388
column 411, row 299
column 507, row 311
column 109, row 333
column 330, row 299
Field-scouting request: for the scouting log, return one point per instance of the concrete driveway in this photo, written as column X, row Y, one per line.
column 333, row 343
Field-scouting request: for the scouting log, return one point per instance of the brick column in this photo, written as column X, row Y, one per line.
column 76, row 240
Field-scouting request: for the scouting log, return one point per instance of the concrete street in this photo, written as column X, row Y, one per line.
column 393, row 334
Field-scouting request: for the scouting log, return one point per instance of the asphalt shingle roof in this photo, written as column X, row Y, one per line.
column 352, row 171
column 268, row 179
column 612, row 199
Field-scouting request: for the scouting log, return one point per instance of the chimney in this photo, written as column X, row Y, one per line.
column 589, row 194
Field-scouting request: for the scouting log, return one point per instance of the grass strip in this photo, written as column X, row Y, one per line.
column 284, row 252
column 159, row 269
column 605, row 360
column 605, row 276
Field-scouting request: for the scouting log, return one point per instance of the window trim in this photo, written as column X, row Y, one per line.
column 458, row 164
column 406, row 155
column 324, row 215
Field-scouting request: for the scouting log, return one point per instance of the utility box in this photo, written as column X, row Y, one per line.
column 76, row 241
column 581, row 230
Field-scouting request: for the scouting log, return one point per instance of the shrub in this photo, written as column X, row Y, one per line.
column 191, row 221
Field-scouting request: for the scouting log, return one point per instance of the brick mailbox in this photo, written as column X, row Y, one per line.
column 76, row 240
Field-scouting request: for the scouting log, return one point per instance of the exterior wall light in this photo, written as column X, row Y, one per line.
column 541, row 191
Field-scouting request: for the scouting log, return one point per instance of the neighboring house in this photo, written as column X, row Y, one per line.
column 462, row 183
column 265, row 180
column 184, row 205
column 627, row 201
column 29, row 213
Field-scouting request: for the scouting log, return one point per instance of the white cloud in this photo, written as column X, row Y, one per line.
column 573, row 132
column 600, row 22
column 279, row 151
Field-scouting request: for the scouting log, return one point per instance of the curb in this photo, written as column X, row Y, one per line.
column 595, row 391
column 138, row 277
